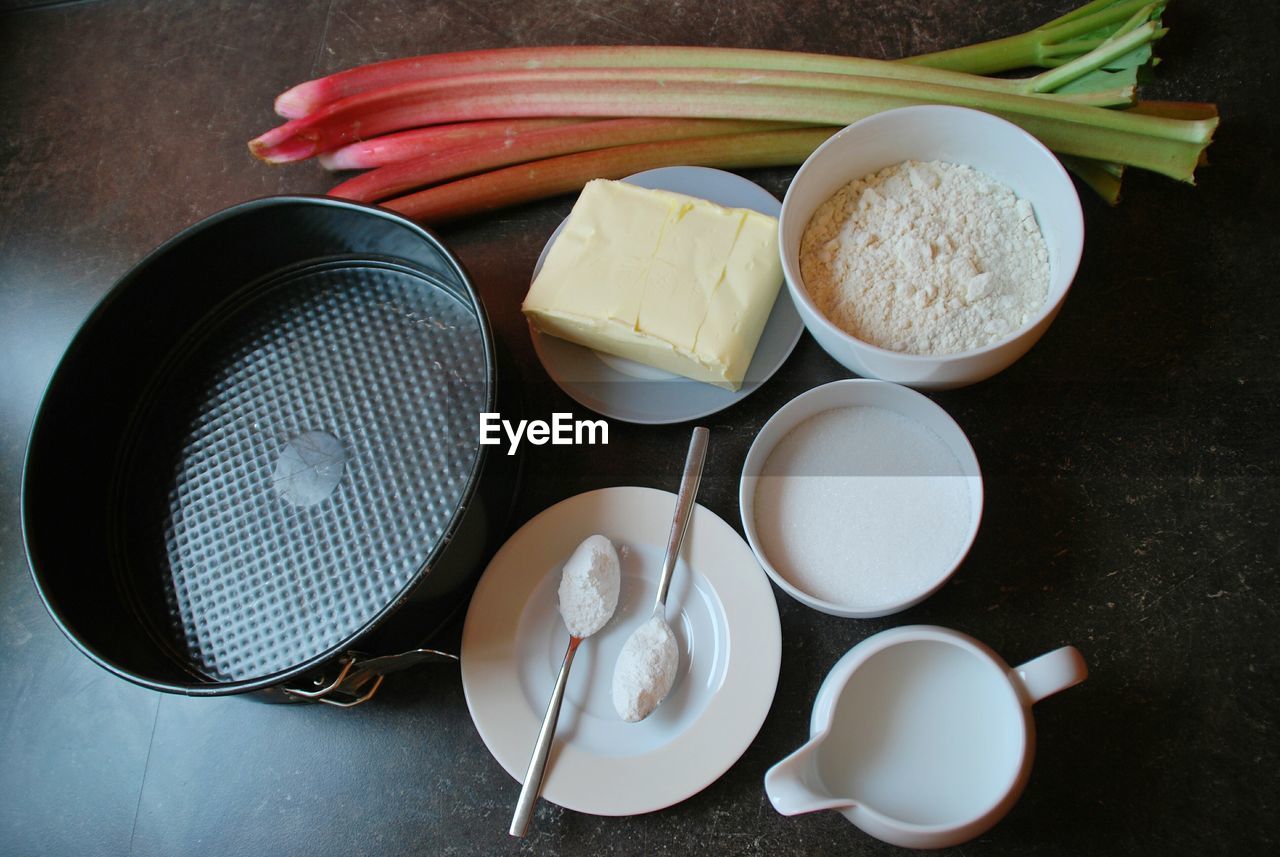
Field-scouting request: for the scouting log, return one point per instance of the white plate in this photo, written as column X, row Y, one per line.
column 629, row 391
column 725, row 620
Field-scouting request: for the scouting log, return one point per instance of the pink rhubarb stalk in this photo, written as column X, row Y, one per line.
column 1168, row 146
column 393, row 148
column 313, row 95
column 410, row 105
column 539, row 179
column 460, row 160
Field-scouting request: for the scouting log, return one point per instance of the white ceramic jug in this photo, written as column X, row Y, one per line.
column 921, row 736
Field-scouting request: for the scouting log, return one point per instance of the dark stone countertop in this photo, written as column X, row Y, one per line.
column 1129, row 459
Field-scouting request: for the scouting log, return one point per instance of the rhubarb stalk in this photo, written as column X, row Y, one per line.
column 539, row 179
column 393, row 148
column 415, row 104
column 1051, row 44
column 454, row 161
column 554, row 110
column 1168, row 146
column 1048, row 45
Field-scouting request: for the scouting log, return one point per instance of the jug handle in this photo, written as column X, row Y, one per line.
column 1051, row 672
column 788, row 784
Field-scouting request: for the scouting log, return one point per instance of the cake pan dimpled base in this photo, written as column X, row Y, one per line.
column 284, row 467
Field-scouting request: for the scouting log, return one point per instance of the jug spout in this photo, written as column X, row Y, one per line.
column 794, row 786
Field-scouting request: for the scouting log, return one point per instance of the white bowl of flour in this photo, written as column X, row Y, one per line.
column 860, row 498
column 911, row 244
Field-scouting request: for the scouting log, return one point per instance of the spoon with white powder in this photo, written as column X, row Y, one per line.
column 588, row 596
column 646, row 667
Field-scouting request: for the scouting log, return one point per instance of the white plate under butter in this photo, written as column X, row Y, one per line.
column 635, row 393
column 725, row 620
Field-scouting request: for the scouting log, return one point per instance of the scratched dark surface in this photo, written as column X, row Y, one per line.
column 1130, row 458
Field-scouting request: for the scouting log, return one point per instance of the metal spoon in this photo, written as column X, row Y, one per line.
column 689, row 483
column 645, row 641
column 542, row 747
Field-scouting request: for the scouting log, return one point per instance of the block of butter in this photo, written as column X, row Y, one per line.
column 665, row 279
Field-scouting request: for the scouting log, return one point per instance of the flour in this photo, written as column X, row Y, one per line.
column 645, row 671
column 926, row 258
column 589, row 586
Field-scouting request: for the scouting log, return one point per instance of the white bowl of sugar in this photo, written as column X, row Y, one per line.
column 860, row 498
column 930, row 245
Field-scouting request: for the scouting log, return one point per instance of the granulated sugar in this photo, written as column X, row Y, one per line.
column 926, row 258
column 862, row 507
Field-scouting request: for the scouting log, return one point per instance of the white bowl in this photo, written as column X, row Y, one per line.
column 935, row 133
column 843, row 394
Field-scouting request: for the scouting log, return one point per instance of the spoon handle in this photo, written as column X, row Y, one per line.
column 542, row 747
column 684, row 507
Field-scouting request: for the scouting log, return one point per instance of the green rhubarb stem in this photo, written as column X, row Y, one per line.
column 1116, row 46
column 1168, row 146
column 1103, row 179
column 1028, row 49
column 550, row 177
column 1055, row 55
column 1085, row 55
column 1143, row 16
column 460, row 160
